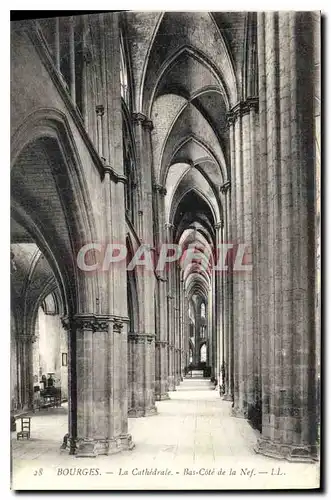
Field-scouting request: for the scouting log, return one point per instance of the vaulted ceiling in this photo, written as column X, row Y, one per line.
column 187, row 70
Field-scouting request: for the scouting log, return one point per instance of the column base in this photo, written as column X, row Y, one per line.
column 95, row 447
column 291, row 453
column 171, row 384
column 239, row 412
column 142, row 412
column 162, row 397
column 227, row 397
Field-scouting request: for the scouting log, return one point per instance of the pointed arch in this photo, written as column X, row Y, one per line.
column 200, row 57
column 48, row 130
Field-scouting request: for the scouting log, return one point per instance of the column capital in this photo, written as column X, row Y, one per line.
column 160, row 278
column 100, row 110
column 168, row 225
column 107, row 169
column 26, row 339
column 159, row 189
column 242, row 108
column 225, row 187
column 94, row 322
column 148, row 124
column 219, row 225
column 162, row 343
column 141, row 338
column 143, row 120
column 138, row 117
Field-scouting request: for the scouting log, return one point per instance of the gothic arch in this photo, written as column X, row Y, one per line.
column 47, row 130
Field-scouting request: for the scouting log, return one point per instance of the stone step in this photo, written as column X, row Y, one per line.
column 196, row 384
column 196, row 373
column 196, row 381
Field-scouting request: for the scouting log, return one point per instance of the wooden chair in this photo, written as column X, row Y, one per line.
column 25, row 428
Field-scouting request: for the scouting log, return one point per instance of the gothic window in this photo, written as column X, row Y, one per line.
column 202, row 331
column 191, row 356
column 203, row 353
column 203, row 310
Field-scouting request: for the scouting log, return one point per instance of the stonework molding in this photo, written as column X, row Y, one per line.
column 162, row 343
column 138, row 117
column 65, row 320
column 93, row 322
column 160, row 278
column 114, row 176
column 225, row 187
column 239, row 413
column 159, row 189
column 118, row 322
column 162, row 397
column 100, row 110
column 26, row 339
column 292, row 453
column 95, row 447
column 141, row 338
column 141, row 119
column 148, row 124
column 142, row 412
column 242, row 108
column 219, row 225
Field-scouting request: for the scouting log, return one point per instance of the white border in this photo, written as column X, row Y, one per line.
column 176, row 5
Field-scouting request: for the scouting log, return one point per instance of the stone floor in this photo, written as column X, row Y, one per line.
column 192, row 443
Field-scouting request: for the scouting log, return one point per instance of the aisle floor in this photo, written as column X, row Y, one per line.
column 193, row 435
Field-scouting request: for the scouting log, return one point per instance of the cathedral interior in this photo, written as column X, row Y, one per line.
column 181, row 128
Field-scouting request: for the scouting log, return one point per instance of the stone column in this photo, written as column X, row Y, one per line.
column 97, row 408
column 177, row 325
column 183, row 329
column 219, row 313
column 227, row 303
column 161, row 343
column 72, row 58
column 144, row 346
column 171, row 314
column 196, row 355
column 317, row 111
column 97, row 329
column 249, row 108
column 255, row 414
column 25, row 362
column 230, row 236
column 237, row 235
column 242, row 280
column 186, row 331
column 289, row 423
